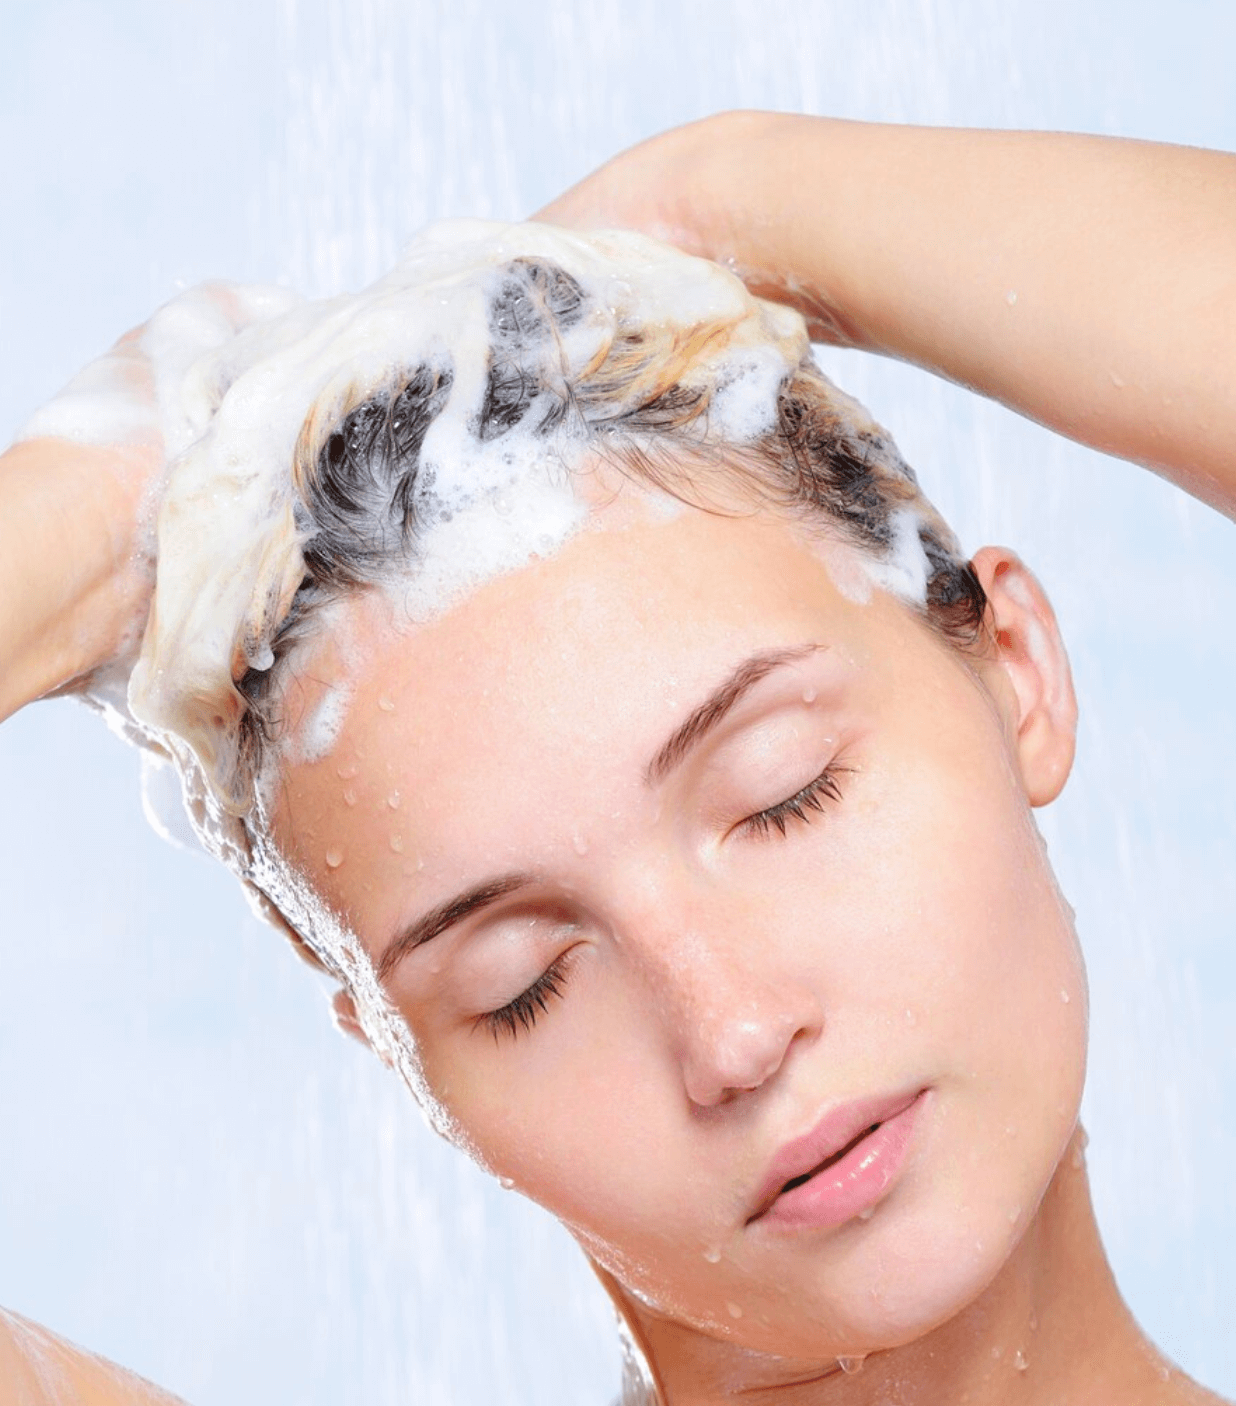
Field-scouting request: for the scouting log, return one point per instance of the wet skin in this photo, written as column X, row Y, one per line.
column 718, row 986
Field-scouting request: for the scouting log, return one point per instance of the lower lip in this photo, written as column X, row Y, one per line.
column 855, row 1184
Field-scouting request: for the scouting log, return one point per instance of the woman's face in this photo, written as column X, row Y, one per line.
column 686, row 869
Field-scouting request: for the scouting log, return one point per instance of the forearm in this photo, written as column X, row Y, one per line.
column 1089, row 283
column 41, row 1369
column 68, row 586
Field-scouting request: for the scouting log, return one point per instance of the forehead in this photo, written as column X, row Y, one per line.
column 539, row 698
column 646, row 604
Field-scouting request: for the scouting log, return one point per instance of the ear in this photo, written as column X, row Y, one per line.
column 343, row 1010
column 1028, row 673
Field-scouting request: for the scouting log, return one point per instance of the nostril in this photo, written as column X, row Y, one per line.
column 737, row 1056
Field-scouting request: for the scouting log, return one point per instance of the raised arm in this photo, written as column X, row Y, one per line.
column 79, row 495
column 1088, row 282
column 39, row 1369
column 77, row 574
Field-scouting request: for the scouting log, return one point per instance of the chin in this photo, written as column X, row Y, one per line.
column 903, row 1274
column 924, row 1289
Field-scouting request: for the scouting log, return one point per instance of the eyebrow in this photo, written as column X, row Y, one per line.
column 681, row 742
column 445, row 915
column 715, row 707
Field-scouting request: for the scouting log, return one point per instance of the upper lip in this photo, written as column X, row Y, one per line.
column 837, row 1129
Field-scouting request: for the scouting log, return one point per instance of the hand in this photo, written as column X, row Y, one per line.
column 656, row 188
column 718, row 189
column 80, row 491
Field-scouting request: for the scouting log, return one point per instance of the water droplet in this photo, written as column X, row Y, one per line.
column 866, row 1214
column 735, row 1310
column 346, row 773
column 996, row 1354
column 1019, row 1360
column 911, row 1018
column 1034, row 1322
column 1014, row 1215
column 851, row 1366
column 396, row 843
column 1011, row 297
column 506, row 1183
column 809, row 695
column 393, row 800
column 1064, row 996
column 349, row 796
column 713, row 1256
column 386, row 704
column 334, row 858
column 1117, row 379
column 580, row 845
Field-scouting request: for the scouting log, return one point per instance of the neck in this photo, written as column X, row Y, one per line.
column 1050, row 1328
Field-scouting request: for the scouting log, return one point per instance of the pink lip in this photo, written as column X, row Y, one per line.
column 843, row 1166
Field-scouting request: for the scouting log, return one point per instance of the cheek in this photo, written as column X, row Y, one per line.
column 1021, row 988
column 986, row 967
column 942, row 948
column 958, row 864
column 563, row 1112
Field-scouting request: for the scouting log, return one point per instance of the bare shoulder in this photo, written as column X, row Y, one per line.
column 37, row 1368
column 1181, row 1390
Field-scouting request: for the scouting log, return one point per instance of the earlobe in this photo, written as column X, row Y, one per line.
column 343, row 1010
column 1027, row 653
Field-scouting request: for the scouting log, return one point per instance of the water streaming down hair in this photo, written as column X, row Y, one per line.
column 430, row 433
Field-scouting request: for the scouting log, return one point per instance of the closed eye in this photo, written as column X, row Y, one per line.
column 521, row 1014
column 802, row 806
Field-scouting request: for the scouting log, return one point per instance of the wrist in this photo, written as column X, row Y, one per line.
column 764, row 189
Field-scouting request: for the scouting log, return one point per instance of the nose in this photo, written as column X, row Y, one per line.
column 733, row 1010
column 738, row 1045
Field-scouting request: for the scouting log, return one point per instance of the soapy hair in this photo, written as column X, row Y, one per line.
column 324, row 450
column 362, row 495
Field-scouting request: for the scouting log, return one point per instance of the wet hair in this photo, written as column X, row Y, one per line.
column 364, row 494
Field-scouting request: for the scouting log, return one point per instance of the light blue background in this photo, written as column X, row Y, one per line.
column 197, row 1176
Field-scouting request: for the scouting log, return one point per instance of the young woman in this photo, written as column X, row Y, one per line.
column 660, row 787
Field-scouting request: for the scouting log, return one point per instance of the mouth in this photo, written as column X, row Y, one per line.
column 843, row 1167
column 829, row 1161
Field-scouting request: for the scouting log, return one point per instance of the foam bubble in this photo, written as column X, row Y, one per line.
column 320, row 731
column 478, row 542
column 745, row 406
column 101, row 405
column 905, row 569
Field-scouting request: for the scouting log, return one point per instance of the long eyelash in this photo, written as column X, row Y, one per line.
column 522, row 1013
column 800, row 806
